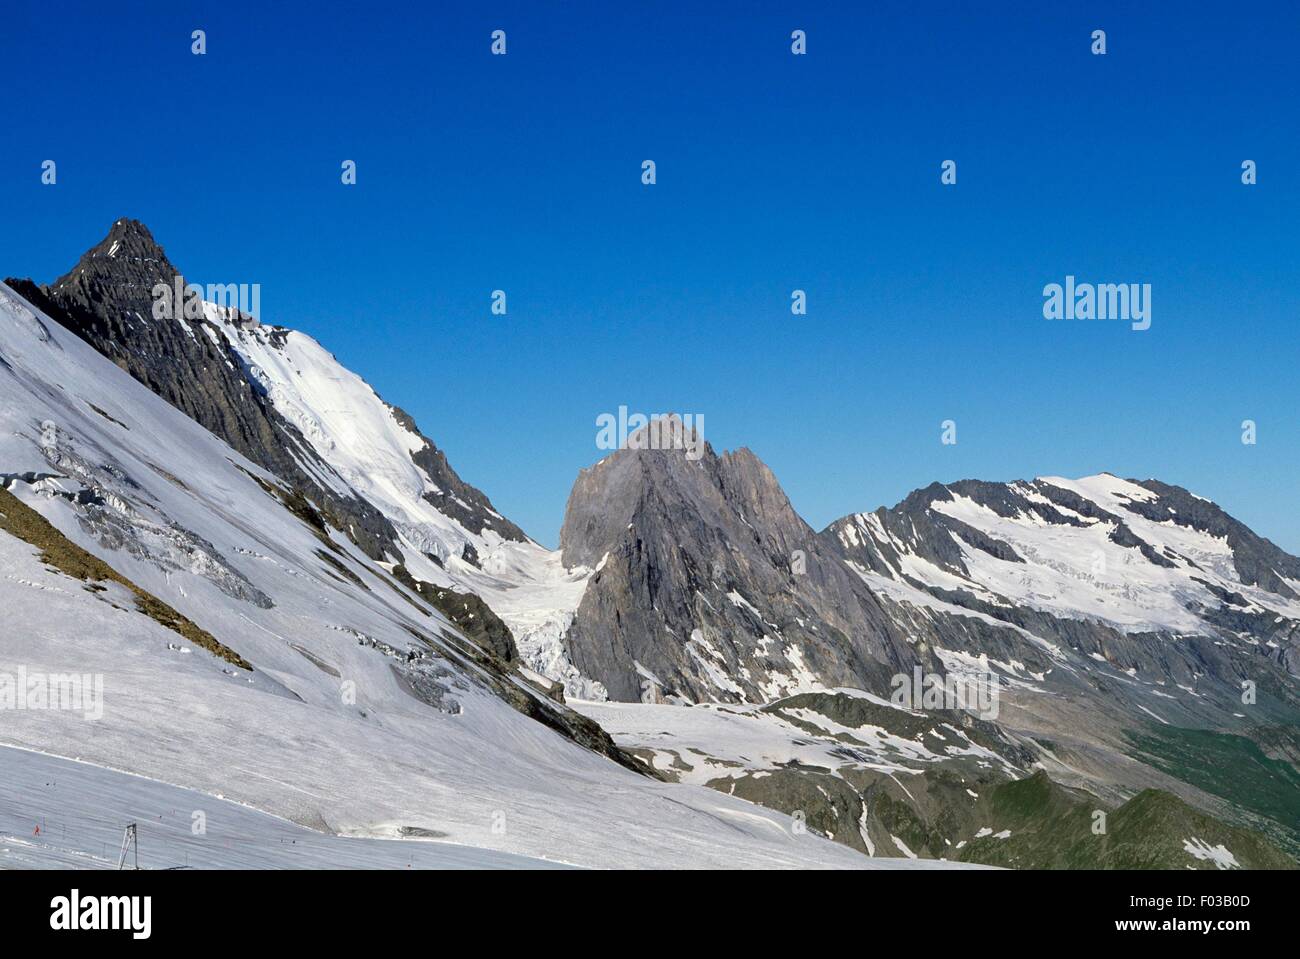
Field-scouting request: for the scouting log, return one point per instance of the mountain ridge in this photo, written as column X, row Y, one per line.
column 1103, row 610
column 366, row 711
column 107, row 299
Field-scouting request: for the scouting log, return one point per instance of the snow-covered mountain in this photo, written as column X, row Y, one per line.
column 295, row 602
column 278, row 397
column 1136, row 556
column 251, row 651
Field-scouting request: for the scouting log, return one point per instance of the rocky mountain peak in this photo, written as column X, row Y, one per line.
column 126, row 264
column 665, row 462
column 213, row 371
column 132, row 236
column 667, row 465
column 107, row 299
column 697, row 591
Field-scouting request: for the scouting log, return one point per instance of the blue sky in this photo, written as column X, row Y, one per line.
column 775, row 172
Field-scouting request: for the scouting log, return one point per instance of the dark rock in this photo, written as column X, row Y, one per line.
column 107, row 299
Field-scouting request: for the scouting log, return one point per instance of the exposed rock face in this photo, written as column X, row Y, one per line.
column 473, row 616
column 1119, row 618
column 1258, row 562
column 107, row 299
column 213, row 545
column 709, row 585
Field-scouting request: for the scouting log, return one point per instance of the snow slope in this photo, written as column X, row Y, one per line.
column 1080, row 569
column 360, row 436
column 324, row 731
column 60, row 814
column 711, row 741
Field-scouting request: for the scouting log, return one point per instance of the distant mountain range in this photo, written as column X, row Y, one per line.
column 381, row 650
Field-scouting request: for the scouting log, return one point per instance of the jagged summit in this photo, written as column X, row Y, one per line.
column 699, row 590
column 127, row 235
column 124, row 265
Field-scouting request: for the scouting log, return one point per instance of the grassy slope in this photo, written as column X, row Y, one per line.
column 1053, row 828
column 1233, row 768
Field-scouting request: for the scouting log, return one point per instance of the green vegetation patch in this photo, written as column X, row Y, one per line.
column 1233, row 768
column 1051, row 827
